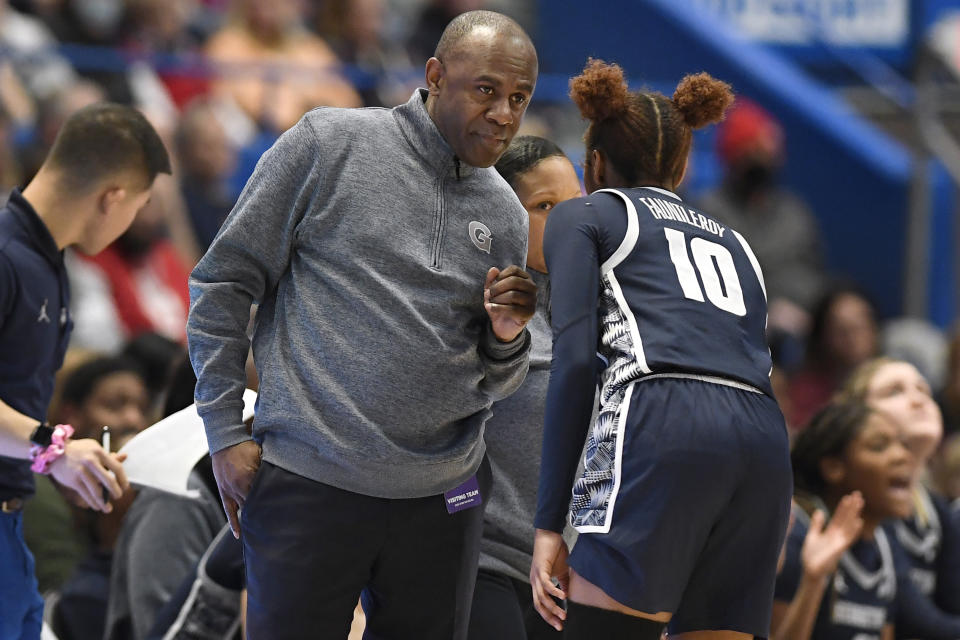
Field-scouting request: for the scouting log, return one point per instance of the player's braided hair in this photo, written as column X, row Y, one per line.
column 826, row 436
column 645, row 134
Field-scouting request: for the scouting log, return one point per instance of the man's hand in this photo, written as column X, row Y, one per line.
column 549, row 561
column 823, row 546
column 234, row 469
column 510, row 298
column 85, row 468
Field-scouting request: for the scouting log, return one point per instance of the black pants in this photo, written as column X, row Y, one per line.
column 503, row 610
column 310, row 549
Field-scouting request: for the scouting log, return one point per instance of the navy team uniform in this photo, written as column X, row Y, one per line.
column 929, row 545
column 34, row 332
column 862, row 596
column 684, row 497
column 874, row 585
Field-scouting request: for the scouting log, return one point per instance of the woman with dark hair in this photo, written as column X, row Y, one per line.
column 686, row 476
column 848, row 454
column 843, row 335
column 930, row 535
column 102, row 391
column 542, row 177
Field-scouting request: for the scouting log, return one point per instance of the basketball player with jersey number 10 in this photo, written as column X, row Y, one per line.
column 685, row 495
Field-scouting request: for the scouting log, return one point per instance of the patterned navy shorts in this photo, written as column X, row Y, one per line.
column 683, row 503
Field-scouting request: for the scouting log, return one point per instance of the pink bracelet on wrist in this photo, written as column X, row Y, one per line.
column 43, row 457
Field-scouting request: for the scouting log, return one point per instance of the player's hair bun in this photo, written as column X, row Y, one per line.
column 702, row 99
column 600, row 92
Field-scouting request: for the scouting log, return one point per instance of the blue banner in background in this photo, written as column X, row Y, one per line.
column 810, row 31
column 860, row 23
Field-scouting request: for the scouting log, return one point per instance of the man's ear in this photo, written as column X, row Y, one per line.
column 833, row 470
column 434, row 75
column 109, row 198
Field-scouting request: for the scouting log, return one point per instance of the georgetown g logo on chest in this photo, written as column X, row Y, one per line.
column 480, row 236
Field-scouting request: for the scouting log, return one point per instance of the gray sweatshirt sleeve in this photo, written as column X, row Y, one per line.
column 244, row 265
column 504, row 363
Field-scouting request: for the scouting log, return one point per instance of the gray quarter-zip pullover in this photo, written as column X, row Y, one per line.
column 366, row 243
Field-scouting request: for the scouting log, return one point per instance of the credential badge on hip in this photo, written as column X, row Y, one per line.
column 466, row 496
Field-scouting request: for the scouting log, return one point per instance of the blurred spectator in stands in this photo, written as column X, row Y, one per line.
column 48, row 11
column 207, row 160
column 843, row 335
column 163, row 26
column 11, row 171
column 119, row 400
column 381, row 69
column 168, row 28
column 434, row 17
column 73, row 543
column 945, row 470
column 51, row 114
column 779, row 227
column 285, row 70
column 31, row 47
column 18, row 109
column 94, row 22
column 98, row 23
column 136, row 285
column 102, row 23
column 950, row 396
column 162, row 538
column 157, row 356
column 920, row 343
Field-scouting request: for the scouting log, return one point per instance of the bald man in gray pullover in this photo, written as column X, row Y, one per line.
column 380, row 245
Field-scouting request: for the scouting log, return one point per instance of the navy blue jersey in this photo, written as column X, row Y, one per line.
column 688, row 289
column 928, row 543
column 34, row 324
column 655, row 287
column 862, row 595
column 930, row 540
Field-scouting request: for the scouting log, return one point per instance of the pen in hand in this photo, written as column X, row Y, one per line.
column 105, row 443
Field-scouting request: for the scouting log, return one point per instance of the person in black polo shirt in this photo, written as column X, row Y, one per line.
column 98, row 175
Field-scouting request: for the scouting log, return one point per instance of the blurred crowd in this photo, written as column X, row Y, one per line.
column 220, row 80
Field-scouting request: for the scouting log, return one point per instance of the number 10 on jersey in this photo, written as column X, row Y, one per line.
column 716, row 269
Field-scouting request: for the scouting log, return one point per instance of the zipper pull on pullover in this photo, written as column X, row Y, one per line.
column 456, row 166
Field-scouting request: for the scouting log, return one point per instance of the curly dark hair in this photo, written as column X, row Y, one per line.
column 645, row 135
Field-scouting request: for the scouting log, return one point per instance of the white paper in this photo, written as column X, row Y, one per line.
column 163, row 455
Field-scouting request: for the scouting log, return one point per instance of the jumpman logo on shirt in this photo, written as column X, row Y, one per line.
column 43, row 317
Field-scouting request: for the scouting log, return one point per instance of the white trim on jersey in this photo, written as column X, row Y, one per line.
column 753, row 261
column 629, row 239
column 763, row 287
column 623, row 412
column 665, row 192
column 884, row 579
column 606, row 269
column 926, row 545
